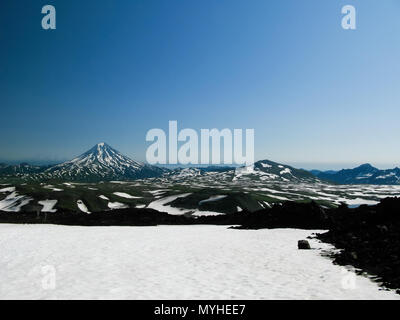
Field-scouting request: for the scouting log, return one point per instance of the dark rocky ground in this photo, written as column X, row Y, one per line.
column 289, row 215
column 368, row 235
column 119, row 217
column 370, row 239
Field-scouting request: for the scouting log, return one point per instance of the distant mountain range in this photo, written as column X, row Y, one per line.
column 262, row 171
column 103, row 163
column 20, row 169
column 364, row 174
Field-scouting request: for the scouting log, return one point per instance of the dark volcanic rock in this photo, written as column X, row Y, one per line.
column 303, row 244
column 289, row 215
column 368, row 235
column 119, row 217
column 370, row 239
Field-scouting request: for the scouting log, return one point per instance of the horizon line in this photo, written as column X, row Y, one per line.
column 304, row 165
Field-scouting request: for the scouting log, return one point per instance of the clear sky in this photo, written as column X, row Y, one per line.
column 318, row 96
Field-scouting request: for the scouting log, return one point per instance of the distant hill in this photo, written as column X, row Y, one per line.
column 267, row 170
column 364, row 174
column 20, row 169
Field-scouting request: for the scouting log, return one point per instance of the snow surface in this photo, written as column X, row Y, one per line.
column 171, row 262
column 213, row 198
column 157, row 192
column 358, row 201
column 125, row 195
column 285, row 171
column 266, row 165
column 386, row 176
column 161, row 204
column 48, row 205
column 200, row 213
column 53, row 188
column 14, row 202
column 8, row 189
column 82, row 206
column 117, row 205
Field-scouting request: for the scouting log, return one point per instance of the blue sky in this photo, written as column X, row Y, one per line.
column 317, row 96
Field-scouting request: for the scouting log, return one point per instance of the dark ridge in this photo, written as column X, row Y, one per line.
column 119, row 217
column 288, row 215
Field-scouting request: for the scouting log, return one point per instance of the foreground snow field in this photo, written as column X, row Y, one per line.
column 170, row 262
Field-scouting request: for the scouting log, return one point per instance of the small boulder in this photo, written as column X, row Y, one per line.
column 303, row 244
column 383, row 228
column 353, row 255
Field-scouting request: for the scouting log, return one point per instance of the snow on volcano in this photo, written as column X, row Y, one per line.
column 102, row 162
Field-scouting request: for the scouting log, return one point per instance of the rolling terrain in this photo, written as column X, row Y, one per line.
column 364, row 174
column 102, row 179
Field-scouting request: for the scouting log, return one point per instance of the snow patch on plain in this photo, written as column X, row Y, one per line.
column 14, row 202
column 82, row 206
column 117, row 205
column 125, row 195
column 172, row 262
column 9, row 189
column 48, row 205
column 213, row 198
column 161, row 205
column 357, row 201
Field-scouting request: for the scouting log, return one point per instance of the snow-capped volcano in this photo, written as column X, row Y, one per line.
column 102, row 162
column 102, row 157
